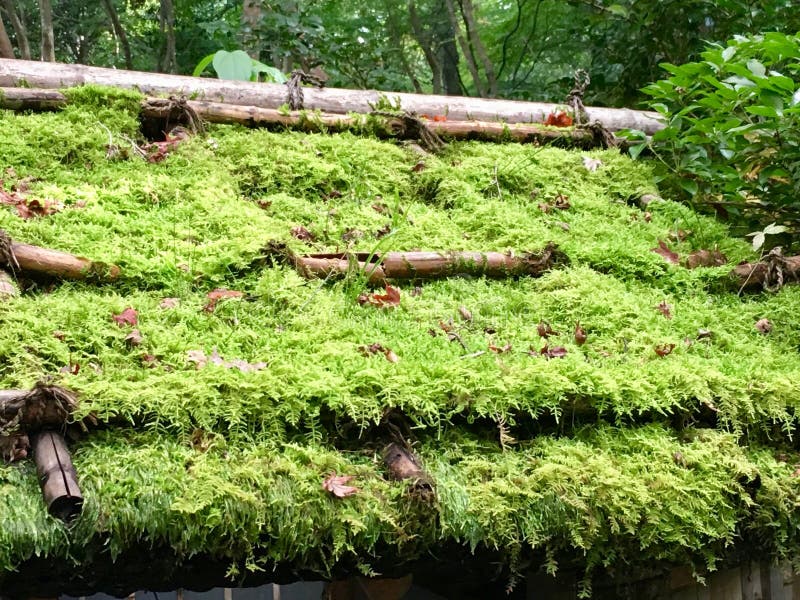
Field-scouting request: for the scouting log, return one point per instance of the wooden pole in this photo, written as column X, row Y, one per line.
column 57, row 476
column 254, row 116
column 20, row 73
column 428, row 265
column 34, row 260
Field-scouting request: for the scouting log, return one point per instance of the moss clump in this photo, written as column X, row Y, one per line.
column 598, row 431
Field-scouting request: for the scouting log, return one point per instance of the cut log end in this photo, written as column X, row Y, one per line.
column 57, row 476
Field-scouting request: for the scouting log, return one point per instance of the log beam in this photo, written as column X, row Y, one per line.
column 33, row 260
column 428, row 265
column 57, row 476
column 21, row 73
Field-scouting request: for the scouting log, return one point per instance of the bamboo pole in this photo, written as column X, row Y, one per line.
column 57, row 476
column 254, row 116
column 21, row 73
column 34, row 260
column 428, row 265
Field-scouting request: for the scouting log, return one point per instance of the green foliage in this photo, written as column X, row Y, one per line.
column 732, row 141
column 238, row 66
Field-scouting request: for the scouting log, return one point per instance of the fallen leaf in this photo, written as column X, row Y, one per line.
column 198, row 357
column 648, row 216
column 679, row 235
column 564, row 226
column 371, row 349
column 59, row 335
column 129, row 316
column 446, row 327
column 352, row 234
column 706, row 258
column 554, row 352
column 664, row 308
column 218, row 294
column 545, row 330
column 562, row 202
column 704, row 334
column 666, row 253
column 500, row 349
column 465, row 314
column 763, row 326
column 664, row 349
column 169, row 303
column 391, row 356
column 489, row 330
column 592, row 164
column 439, row 118
column 70, row 369
column 134, row 338
column 390, row 299
column 303, row 234
column 149, row 360
column 29, row 209
column 337, row 485
column 265, row 204
column 383, row 231
column 381, row 208
column 418, row 167
column 558, row 119
column 580, row 334
column 544, row 207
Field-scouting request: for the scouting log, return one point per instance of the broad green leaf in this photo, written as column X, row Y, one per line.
column 728, row 53
column 689, row 185
column 727, row 153
column 201, row 66
column 235, row 66
column 763, row 111
column 756, row 67
column 774, row 229
column 636, row 150
column 273, row 74
column 618, row 10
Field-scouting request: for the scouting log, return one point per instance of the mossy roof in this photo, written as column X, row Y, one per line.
column 612, row 454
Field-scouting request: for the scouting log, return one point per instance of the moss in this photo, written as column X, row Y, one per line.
column 594, row 469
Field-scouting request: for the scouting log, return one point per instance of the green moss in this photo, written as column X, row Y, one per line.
column 609, row 486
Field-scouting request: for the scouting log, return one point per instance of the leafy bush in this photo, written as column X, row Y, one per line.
column 732, row 140
column 238, row 66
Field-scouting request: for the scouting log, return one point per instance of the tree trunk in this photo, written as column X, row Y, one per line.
column 169, row 62
column 468, row 11
column 119, row 31
column 448, row 51
column 48, row 39
column 6, row 49
column 425, row 41
column 465, row 49
column 252, row 15
column 14, row 73
column 20, row 33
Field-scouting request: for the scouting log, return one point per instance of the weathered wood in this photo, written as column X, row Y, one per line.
column 752, row 276
column 31, row 99
column 33, row 260
column 254, row 116
column 20, row 73
column 57, row 476
column 428, row 265
column 44, row 406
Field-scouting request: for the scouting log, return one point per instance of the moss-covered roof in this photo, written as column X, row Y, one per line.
column 611, row 454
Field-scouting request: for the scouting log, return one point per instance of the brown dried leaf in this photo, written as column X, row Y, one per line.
column 545, row 207
column 664, row 349
column 303, row 234
column 706, row 258
column 465, row 313
column 129, row 316
column 580, row 334
column 554, row 352
column 134, row 338
column 388, row 300
column 70, row 369
column 664, row 308
column 352, row 234
column 666, row 253
column 704, row 334
column 218, row 294
column 418, row 167
column 391, row 356
column 383, row 231
column 169, row 303
column 763, row 326
column 562, row 202
column 381, row 208
column 648, row 216
column 337, row 485
column 544, row 330
column 500, row 349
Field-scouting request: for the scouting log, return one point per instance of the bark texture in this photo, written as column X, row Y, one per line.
column 20, row 32
column 48, row 38
column 267, row 95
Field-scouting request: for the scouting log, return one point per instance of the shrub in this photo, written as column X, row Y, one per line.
column 732, row 137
